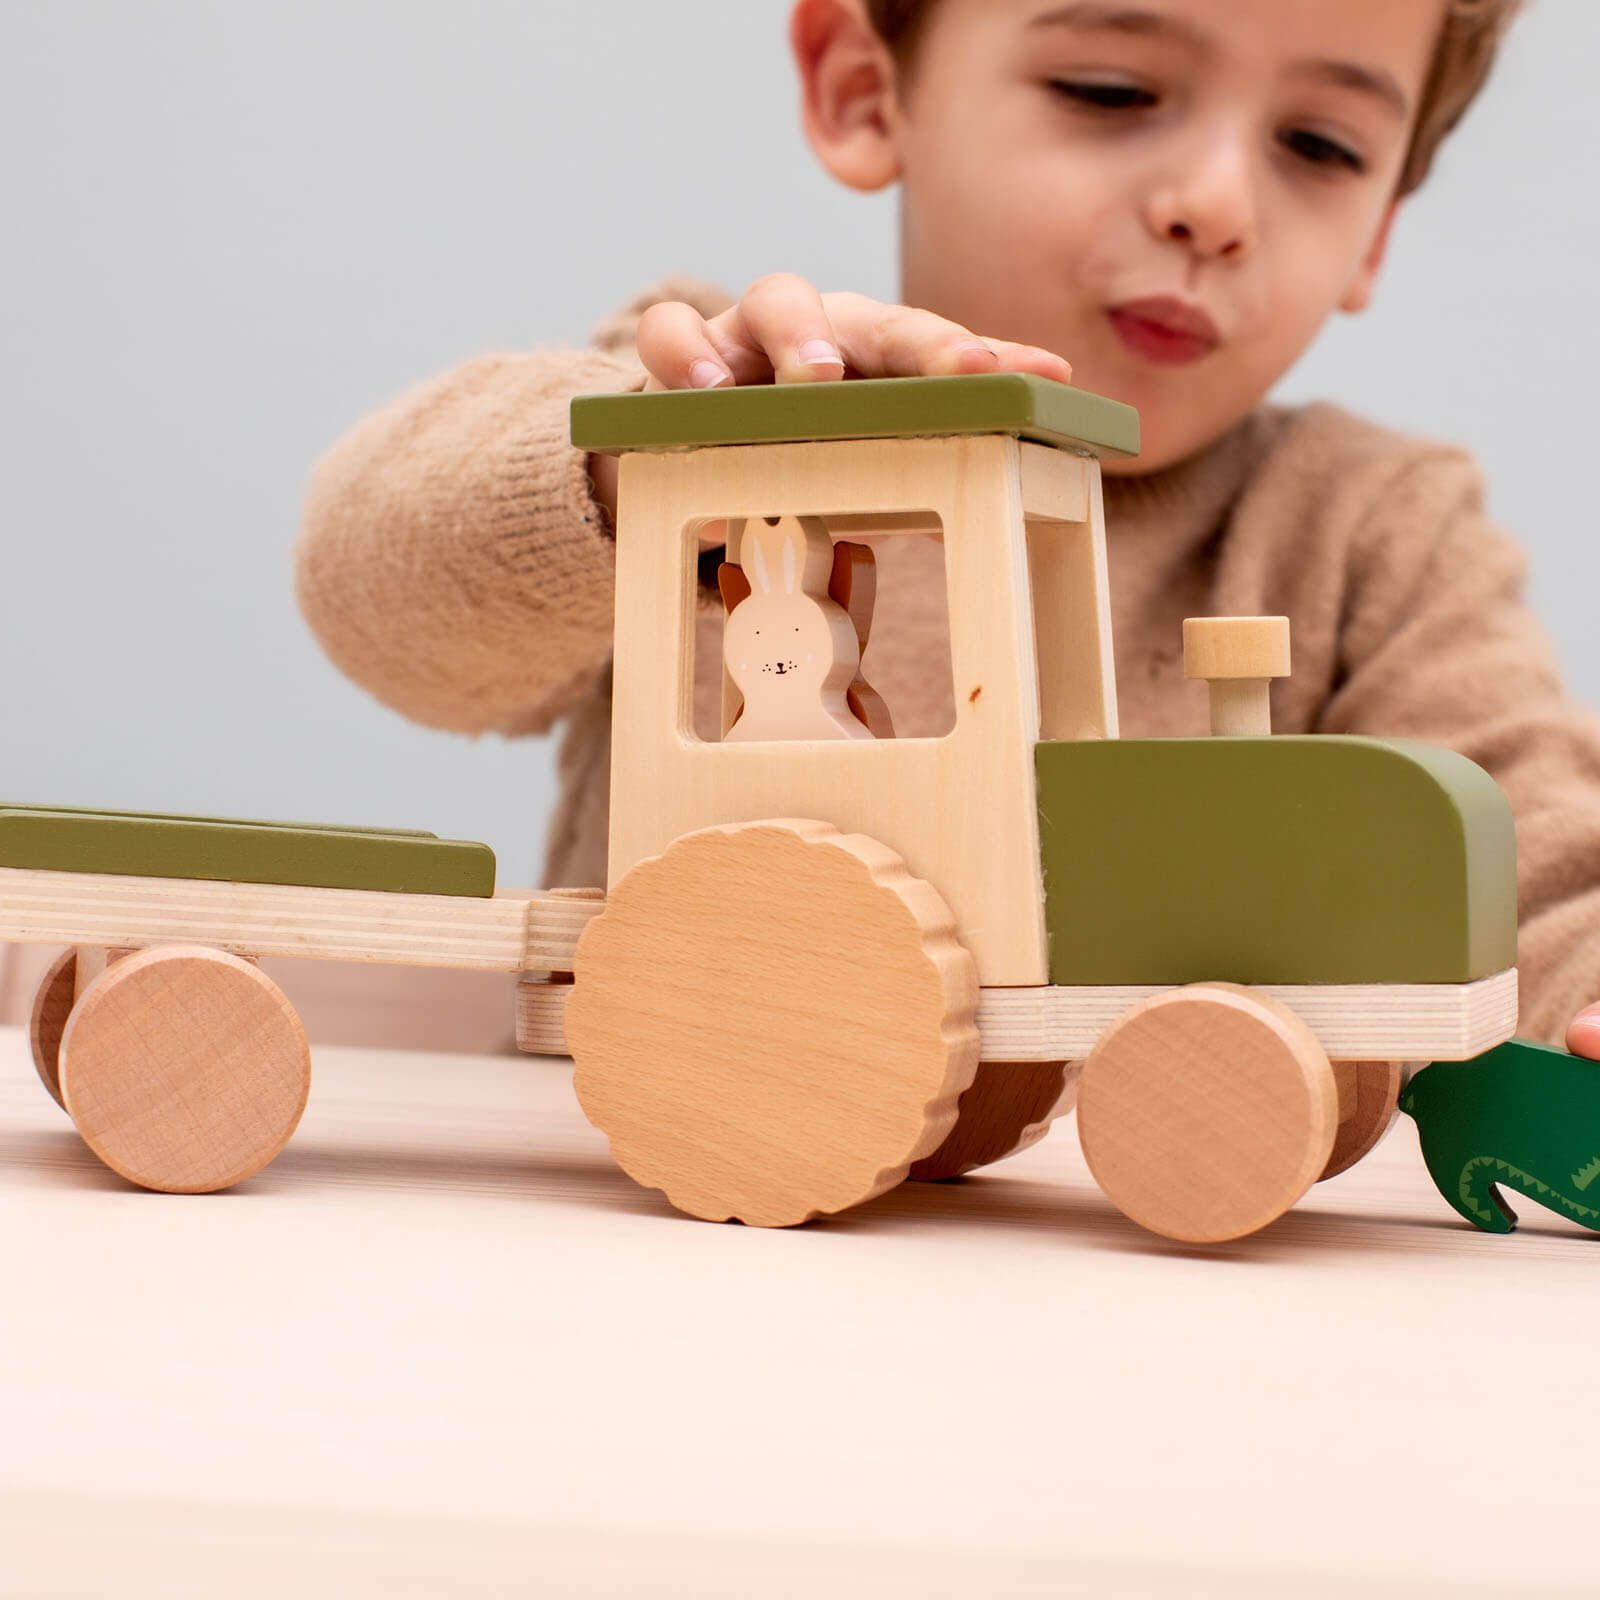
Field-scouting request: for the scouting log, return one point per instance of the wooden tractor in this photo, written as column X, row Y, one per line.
column 830, row 957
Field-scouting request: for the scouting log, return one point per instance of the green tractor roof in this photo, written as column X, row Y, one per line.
column 1015, row 403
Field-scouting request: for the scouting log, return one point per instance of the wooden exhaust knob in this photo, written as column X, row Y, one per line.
column 1238, row 657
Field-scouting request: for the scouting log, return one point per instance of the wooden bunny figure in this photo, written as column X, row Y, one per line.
column 790, row 649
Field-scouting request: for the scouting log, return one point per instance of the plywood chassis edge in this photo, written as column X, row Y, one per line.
column 511, row 931
column 1352, row 1022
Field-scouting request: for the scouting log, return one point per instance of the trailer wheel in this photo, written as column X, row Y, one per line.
column 1207, row 1111
column 184, row 1068
column 771, row 1021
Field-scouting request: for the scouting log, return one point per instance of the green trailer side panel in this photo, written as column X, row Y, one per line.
column 147, row 845
column 878, row 408
column 1280, row 859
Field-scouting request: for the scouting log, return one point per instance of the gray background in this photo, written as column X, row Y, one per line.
column 229, row 230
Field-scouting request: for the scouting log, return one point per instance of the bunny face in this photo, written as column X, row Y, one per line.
column 790, row 649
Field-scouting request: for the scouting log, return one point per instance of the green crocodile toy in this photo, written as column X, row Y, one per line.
column 1523, row 1116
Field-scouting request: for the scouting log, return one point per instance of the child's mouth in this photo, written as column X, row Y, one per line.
column 1155, row 339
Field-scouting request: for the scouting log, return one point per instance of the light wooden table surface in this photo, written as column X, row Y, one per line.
column 443, row 1347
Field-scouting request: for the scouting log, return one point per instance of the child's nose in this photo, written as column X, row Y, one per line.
column 1209, row 204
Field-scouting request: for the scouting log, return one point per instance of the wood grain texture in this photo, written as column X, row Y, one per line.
column 1235, row 647
column 1045, row 1026
column 1369, row 1101
column 1241, row 708
column 513, row 931
column 541, row 1015
column 772, row 1021
column 980, row 842
column 1071, row 597
column 1206, row 1112
column 1355, row 1021
column 185, row 1069
column 1009, row 1106
column 1238, row 657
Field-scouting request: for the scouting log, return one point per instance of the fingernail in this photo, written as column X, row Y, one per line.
column 978, row 345
column 819, row 353
column 707, row 375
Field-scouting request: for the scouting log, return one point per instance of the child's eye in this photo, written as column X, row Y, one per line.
column 1104, row 96
column 1320, row 151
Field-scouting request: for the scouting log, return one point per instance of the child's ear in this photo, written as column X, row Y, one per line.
column 848, row 87
column 1358, row 296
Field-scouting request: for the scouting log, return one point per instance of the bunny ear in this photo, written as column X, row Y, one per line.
column 754, row 559
column 794, row 542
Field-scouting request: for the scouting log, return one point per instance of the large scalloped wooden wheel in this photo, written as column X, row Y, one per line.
column 1207, row 1111
column 184, row 1068
column 771, row 1021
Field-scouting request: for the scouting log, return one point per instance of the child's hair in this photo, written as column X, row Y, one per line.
column 1468, row 40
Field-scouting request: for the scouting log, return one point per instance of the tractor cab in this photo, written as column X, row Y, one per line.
column 998, row 479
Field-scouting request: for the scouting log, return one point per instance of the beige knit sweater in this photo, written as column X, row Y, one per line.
column 454, row 563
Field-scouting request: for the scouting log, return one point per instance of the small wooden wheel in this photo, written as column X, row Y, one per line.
column 185, row 1068
column 1010, row 1106
column 1207, row 1111
column 52, row 1005
column 772, row 1021
column 1369, row 1101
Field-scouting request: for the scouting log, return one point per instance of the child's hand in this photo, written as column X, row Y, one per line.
column 784, row 331
column 1583, row 1033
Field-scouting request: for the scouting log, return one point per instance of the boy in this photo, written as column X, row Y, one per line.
column 1170, row 195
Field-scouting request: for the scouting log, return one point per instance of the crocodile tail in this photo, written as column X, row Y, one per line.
column 1475, row 1194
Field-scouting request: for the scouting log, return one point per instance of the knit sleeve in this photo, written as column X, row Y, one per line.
column 452, row 559
column 1438, row 644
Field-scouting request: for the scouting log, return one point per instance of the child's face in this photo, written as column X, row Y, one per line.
column 1062, row 163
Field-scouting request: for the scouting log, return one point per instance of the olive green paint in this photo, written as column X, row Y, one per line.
column 148, row 845
column 1281, row 859
column 877, row 408
column 1523, row 1116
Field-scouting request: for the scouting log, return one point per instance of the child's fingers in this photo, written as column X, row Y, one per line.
column 783, row 318
column 1031, row 358
column 784, row 329
column 882, row 341
column 899, row 341
column 1583, row 1033
column 677, row 349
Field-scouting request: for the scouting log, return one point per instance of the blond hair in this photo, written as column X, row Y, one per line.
column 1469, row 38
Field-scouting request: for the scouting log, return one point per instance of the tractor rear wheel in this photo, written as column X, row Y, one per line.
column 772, row 1021
column 52, row 1005
column 1369, row 1101
column 1009, row 1107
